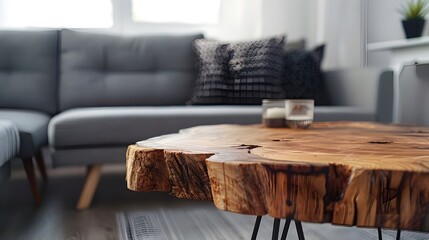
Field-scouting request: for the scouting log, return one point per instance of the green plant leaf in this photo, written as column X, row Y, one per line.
column 414, row 9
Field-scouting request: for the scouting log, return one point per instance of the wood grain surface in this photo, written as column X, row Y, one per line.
column 347, row 173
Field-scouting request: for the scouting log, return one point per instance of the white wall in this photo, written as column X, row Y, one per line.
column 298, row 19
column 384, row 21
column 384, row 24
column 342, row 33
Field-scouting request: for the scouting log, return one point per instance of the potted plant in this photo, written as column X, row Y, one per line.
column 414, row 13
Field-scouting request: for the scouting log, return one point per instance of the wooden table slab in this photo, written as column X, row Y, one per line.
column 347, row 173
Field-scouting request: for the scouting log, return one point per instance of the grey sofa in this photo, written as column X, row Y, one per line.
column 116, row 90
column 9, row 147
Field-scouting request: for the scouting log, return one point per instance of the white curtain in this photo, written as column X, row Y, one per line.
column 239, row 20
column 290, row 17
column 340, row 27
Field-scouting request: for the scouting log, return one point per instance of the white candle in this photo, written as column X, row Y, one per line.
column 275, row 113
column 300, row 118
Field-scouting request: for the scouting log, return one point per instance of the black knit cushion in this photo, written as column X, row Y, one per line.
column 238, row 73
column 302, row 74
column 213, row 72
column 256, row 68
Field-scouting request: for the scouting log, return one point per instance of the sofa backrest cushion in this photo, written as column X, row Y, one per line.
column 28, row 70
column 113, row 70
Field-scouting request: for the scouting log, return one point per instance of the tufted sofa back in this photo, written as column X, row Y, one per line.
column 28, row 70
column 112, row 70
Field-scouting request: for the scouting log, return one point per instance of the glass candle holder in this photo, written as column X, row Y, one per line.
column 299, row 113
column 273, row 113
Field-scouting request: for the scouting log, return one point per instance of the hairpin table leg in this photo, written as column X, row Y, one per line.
column 276, row 227
column 285, row 229
column 380, row 236
column 256, row 227
column 299, row 230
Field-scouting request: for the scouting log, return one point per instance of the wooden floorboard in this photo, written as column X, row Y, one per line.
column 56, row 218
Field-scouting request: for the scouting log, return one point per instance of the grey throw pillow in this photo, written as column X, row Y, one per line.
column 302, row 75
column 212, row 62
column 238, row 73
column 256, row 68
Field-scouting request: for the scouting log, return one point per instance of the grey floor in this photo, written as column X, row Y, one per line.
column 57, row 219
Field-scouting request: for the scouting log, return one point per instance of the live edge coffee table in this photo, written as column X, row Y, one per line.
column 345, row 173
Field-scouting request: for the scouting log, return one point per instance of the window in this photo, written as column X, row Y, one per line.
column 56, row 13
column 174, row 11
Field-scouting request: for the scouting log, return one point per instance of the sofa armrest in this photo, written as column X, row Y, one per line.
column 367, row 88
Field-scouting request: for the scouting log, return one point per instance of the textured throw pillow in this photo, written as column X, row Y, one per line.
column 238, row 73
column 256, row 68
column 213, row 72
column 302, row 75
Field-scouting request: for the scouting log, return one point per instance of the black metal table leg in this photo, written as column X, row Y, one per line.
column 285, row 229
column 398, row 234
column 380, row 236
column 299, row 230
column 256, row 227
column 276, row 227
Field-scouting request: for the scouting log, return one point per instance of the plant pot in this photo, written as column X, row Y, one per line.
column 414, row 27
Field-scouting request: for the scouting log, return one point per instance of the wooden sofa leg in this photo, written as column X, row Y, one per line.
column 91, row 182
column 41, row 165
column 29, row 170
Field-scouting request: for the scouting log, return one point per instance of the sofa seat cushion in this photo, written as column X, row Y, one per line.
column 9, row 139
column 32, row 126
column 342, row 113
column 121, row 126
column 126, row 125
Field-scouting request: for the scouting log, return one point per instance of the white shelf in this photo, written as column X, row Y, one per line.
column 398, row 44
